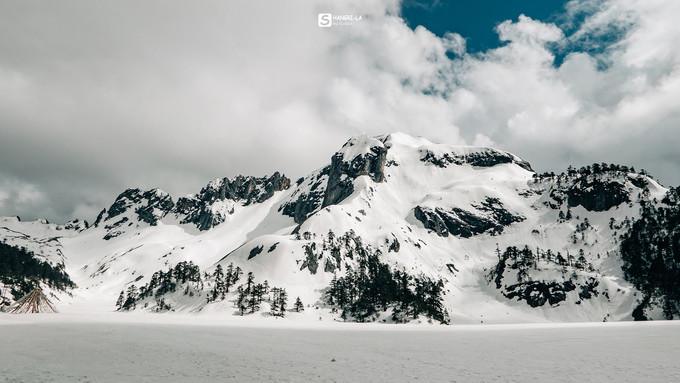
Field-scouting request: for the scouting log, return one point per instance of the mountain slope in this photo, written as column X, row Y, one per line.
column 394, row 228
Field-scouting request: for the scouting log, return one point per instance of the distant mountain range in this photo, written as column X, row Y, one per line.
column 394, row 229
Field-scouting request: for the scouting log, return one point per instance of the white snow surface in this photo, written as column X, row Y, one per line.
column 152, row 348
column 378, row 213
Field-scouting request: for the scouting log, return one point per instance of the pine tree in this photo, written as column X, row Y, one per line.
column 121, row 299
column 249, row 282
column 299, row 307
column 283, row 302
column 131, row 299
column 218, row 274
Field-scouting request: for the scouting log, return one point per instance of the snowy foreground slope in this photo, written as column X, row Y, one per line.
column 60, row 351
column 395, row 228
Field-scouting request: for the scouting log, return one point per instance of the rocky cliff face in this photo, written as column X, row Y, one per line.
column 343, row 171
column 597, row 195
column 205, row 210
column 488, row 216
column 360, row 156
column 481, row 157
column 149, row 206
column 307, row 197
column 395, row 216
column 597, row 190
column 214, row 202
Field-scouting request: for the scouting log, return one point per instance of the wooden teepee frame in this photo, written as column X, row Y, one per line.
column 33, row 302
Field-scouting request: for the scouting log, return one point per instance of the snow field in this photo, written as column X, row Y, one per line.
column 58, row 350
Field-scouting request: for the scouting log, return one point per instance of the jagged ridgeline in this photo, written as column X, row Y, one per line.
column 392, row 228
column 21, row 272
column 205, row 210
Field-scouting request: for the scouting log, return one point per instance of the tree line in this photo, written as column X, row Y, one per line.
column 650, row 252
column 187, row 276
column 373, row 287
column 21, row 271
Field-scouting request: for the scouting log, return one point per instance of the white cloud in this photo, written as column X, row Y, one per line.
column 174, row 94
column 528, row 31
column 579, row 112
column 17, row 195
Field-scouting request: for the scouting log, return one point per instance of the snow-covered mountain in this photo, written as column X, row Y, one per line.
column 394, row 228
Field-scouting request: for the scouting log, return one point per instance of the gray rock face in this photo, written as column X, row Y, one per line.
column 597, row 191
column 537, row 293
column 486, row 157
column 75, row 224
column 342, row 173
column 310, row 261
column 150, row 206
column 124, row 201
column 198, row 210
column 309, row 200
column 153, row 205
column 458, row 222
column 597, row 195
column 158, row 205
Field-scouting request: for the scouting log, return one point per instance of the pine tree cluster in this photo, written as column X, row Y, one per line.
column 538, row 292
column 21, row 271
column 187, row 276
column 650, row 252
column 161, row 283
column 371, row 288
column 588, row 170
column 223, row 281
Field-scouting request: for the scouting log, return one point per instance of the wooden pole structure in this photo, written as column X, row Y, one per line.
column 34, row 302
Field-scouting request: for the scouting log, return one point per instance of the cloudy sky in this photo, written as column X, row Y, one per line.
column 96, row 97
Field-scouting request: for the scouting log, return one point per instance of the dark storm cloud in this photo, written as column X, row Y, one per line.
column 99, row 96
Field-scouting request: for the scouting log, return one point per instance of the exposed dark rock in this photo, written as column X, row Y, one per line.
column 310, row 262
column 309, row 200
column 116, row 224
column 304, row 206
column 431, row 220
column 342, row 173
column 273, row 247
column 158, row 206
column 485, row 157
column 246, row 189
column 463, row 223
column 394, row 246
column 589, row 289
column 319, row 192
column 198, row 210
column 255, row 251
column 199, row 213
column 597, row 195
column 100, row 217
column 75, row 224
column 150, row 206
column 125, row 200
column 112, row 234
column 537, row 293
